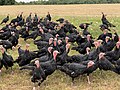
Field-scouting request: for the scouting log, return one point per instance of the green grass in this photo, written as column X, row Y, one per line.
column 20, row 80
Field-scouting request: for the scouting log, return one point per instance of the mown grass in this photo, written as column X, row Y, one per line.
column 20, row 80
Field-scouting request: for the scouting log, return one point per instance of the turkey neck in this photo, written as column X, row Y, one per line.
column 96, row 61
column 26, row 50
column 54, row 57
column 49, row 55
column 2, row 50
column 38, row 65
column 117, row 49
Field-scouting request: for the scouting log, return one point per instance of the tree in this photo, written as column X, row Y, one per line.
column 64, row 2
column 2, row 2
column 7, row 2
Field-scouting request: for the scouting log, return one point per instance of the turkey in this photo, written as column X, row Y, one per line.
column 75, row 69
column 82, row 47
column 104, row 63
column 5, row 20
column 13, row 39
column 61, row 20
column 23, row 58
column 103, row 27
column 105, row 21
column 6, row 59
column 38, row 74
column 85, row 25
column 48, row 16
column 113, row 55
column 92, row 66
column 29, row 19
column 6, row 44
column 48, row 67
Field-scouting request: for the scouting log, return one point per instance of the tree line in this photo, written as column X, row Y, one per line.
column 7, row 2
column 50, row 2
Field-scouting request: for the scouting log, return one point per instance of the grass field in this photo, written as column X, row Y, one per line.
column 76, row 14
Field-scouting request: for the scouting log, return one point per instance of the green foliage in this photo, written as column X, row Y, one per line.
column 12, row 2
column 7, row 2
column 81, row 1
column 50, row 2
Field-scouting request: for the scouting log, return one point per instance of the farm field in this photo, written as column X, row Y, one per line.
column 63, row 10
column 76, row 14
